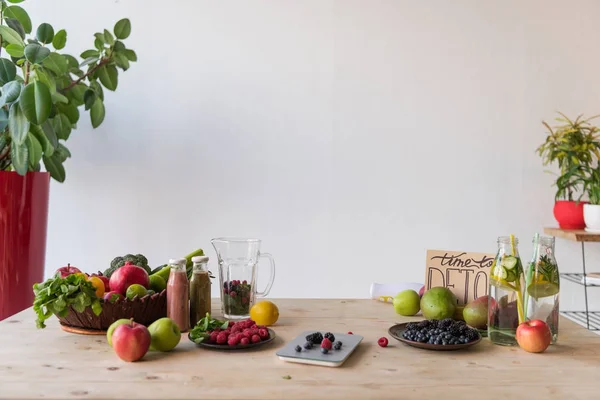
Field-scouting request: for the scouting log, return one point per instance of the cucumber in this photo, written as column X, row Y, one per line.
column 500, row 272
column 511, row 276
column 509, row 262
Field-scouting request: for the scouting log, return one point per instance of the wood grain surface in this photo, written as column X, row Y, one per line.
column 575, row 235
column 53, row 364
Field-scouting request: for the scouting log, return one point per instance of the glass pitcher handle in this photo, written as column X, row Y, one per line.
column 271, row 279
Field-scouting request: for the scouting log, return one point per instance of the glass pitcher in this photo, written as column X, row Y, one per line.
column 238, row 261
column 505, row 301
column 543, row 285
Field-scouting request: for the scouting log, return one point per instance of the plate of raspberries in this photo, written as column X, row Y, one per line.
column 235, row 336
column 446, row 334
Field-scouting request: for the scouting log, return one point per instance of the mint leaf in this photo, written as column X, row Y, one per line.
column 97, row 307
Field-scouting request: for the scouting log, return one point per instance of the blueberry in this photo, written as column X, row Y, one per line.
column 324, row 350
column 337, row 345
column 298, row 349
column 444, row 342
column 308, row 345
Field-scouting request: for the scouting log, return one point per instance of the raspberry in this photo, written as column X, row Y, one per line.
column 221, row 338
column 263, row 333
column 232, row 341
column 244, row 341
column 217, row 330
column 245, row 300
column 383, row 342
column 235, row 329
column 244, row 282
column 350, row 333
column 247, row 333
column 255, row 338
column 326, row 344
column 213, row 336
column 232, row 293
column 254, row 331
column 231, row 324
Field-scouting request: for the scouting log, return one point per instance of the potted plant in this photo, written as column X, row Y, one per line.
column 42, row 93
column 573, row 144
column 589, row 178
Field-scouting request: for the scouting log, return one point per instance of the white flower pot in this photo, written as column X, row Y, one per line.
column 591, row 216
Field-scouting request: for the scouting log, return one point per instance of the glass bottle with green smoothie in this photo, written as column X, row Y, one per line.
column 200, row 287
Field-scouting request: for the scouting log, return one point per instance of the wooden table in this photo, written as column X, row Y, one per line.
column 53, row 364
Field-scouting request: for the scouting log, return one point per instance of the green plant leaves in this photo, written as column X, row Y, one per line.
column 35, row 53
column 62, row 152
column 123, row 29
column 71, row 111
column 34, row 148
column 45, row 33
column 10, row 92
column 16, row 26
column 19, row 156
column 59, row 98
column 3, row 120
column 20, row 15
column 121, row 61
column 130, row 54
column 98, row 89
column 10, row 36
column 15, row 50
column 97, row 113
column 109, row 38
column 90, row 53
column 109, row 76
column 89, row 98
column 60, row 40
column 50, row 134
column 8, row 71
column 54, row 167
column 18, row 125
column 36, row 130
column 15, row 1
column 56, row 63
column 36, row 102
column 62, row 126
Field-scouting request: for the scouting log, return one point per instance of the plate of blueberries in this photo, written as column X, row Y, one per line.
column 446, row 334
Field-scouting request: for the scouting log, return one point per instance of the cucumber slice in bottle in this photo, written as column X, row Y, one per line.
column 500, row 272
column 509, row 262
column 511, row 276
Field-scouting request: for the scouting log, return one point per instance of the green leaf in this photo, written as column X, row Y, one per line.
column 78, row 91
column 20, row 157
column 11, row 92
column 50, row 134
column 130, row 54
column 18, row 125
column 109, row 76
column 36, row 53
column 62, row 126
column 54, row 167
column 36, row 130
column 88, row 60
column 122, row 61
column 3, row 120
column 21, row 61
column 36, row 102
column 90, row 53
column 70, row 111
column 20, row 15
column 97, row 307
column 15, row 50
column 63, row 152
column 97, row 113
column 15, row 1
column 119, row 46
column 8, row 71
column 109, row 38
column 98, row 89
column 41, row 74
column 100, row 37
column 16, row 26
column 123, row 29
column 99, row 44
column 89, row 98
column 60, row 40
column 10, row 36
column 56, row 63
column 45, row 33
column 34, row 148
column 59, row 98
column 71, row 61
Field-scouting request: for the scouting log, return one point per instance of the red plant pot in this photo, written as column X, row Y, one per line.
column 23, row 224
column 569, row 214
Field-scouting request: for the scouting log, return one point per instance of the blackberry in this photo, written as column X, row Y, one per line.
column 454, row 330
column 463, row 328
column 423, row 324
column 410, row 326
column 337, row 345
column 471, row 335
column 315, row 338
column 298, row 349
column 308, row 345
column 330, row 336
column 445, row 323
column 434, row 323
column 324, row 350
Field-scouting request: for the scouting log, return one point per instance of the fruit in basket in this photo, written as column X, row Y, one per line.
column 157, row 283
column 135, row 290
column 131, row 341
column 98, row 285
column 106, row 282
column 407, row 303
column 165, row 334
column 128, row 275
column 534, row 336
column 63, row 272
column 111, row 297
column 438, row 303
column 134, row 259
column 475, row 313
column 264, row 313
column 115, row 325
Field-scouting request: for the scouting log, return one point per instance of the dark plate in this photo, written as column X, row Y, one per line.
column 397, row 330
column 239, row 346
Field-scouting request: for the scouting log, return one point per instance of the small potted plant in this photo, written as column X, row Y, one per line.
column 589, row 178
column 574, row 146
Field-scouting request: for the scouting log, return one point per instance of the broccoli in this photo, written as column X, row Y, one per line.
column 135, row 259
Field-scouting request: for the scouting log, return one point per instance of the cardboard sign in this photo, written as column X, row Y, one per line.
column 465, row 274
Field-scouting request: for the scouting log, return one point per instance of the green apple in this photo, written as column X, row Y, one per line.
column 165, row 334
column 112, row 328
column 407, row 302
column 157, row 283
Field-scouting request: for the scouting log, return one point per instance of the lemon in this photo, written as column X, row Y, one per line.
column 541, row 289
column 264, row 313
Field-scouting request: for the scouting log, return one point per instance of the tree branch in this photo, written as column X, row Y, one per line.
column 102, row 62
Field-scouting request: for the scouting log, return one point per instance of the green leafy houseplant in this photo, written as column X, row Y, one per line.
column 572, row 145
column 586, row 176
column 42, row 90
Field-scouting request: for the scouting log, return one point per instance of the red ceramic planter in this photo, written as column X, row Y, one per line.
column 569, row 214
column 23, row 224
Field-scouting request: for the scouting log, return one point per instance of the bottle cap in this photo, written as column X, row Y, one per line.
column 200, row 259
column 178, row 261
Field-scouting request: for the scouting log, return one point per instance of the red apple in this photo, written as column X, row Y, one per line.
column 421, row 291
column 66, row 271
column 113, row 296
column 534, row 336
column 126, row 276
column 131, row 341
column 106, row 282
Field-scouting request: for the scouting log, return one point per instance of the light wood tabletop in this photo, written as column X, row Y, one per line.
column 579, row 235
column 53, row 364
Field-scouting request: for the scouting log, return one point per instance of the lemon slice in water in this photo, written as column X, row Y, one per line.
column 538, row 290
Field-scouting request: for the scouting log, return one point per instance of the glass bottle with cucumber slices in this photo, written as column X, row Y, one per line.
column 543, row 285
column 505, row 302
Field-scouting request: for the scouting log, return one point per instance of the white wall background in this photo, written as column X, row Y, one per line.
column 349, row 135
